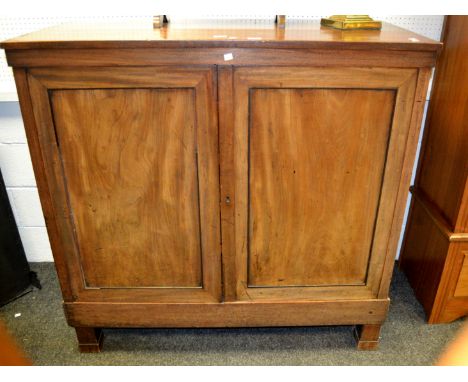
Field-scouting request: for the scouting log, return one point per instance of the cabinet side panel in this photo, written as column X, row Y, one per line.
column 316, row 163
column 129, row 160
column 461, row 289
column 424, row 255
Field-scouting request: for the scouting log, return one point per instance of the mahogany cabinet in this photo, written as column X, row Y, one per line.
column 222, row 177
column 435, row 251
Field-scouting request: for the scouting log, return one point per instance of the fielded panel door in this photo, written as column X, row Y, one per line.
column 310, row 178
column 131, row 159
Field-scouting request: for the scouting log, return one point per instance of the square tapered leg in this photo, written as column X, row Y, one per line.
column 89, row 339
column 367, row 336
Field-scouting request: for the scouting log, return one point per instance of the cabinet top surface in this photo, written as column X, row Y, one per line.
column 226, row 34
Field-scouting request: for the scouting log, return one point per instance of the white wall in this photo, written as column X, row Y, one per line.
column 17, row 171
column 15, row 161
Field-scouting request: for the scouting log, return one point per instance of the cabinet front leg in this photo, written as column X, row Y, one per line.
column 89, row 339
column 367, row 336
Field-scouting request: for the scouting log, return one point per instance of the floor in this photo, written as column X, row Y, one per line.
column 44, row 335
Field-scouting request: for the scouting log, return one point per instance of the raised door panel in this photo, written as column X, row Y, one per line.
column 129, row 160
column 317, row 157
column 136, row 180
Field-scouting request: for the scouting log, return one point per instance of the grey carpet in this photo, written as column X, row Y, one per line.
column 44, row 335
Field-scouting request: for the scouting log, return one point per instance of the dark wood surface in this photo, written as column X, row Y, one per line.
column 421, row 257
column 90, row 340
column 434, row 249
column 443, row 169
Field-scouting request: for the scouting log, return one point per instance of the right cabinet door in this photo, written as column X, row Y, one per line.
column 315, row 162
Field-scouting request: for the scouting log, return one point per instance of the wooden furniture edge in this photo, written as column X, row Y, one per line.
column 367, row 336
column 432, row 211
column 414, row 128
column 90, row 340
column 215, row 56
column 447, row 307
column 428, row 45
column 235, row 314
column 26, row 106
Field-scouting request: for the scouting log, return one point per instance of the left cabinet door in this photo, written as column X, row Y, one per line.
column 131, row 163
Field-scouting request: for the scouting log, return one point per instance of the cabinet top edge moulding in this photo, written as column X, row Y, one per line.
column 226, row 35
column 309, row 44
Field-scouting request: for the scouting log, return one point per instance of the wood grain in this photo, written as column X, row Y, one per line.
column 130, row 164
column 289, row 214
column 461, row 289
column 215, row 56
column 235, row 314
column 367, row 336
column 227, row 175
column 443, row 171
column 90, row 340
column 26, row 105
column 436, row 235
column 421, row 259
column 306, row 147
column 247, row 81
column 229, row 35
column 433, row 212
column 448, row 307
column 42, row 83
column 399, row 184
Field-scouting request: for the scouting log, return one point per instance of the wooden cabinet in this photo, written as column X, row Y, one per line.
column 183, row 190
column 435, row 251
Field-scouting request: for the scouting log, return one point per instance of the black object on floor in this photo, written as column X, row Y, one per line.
column 16, row 277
